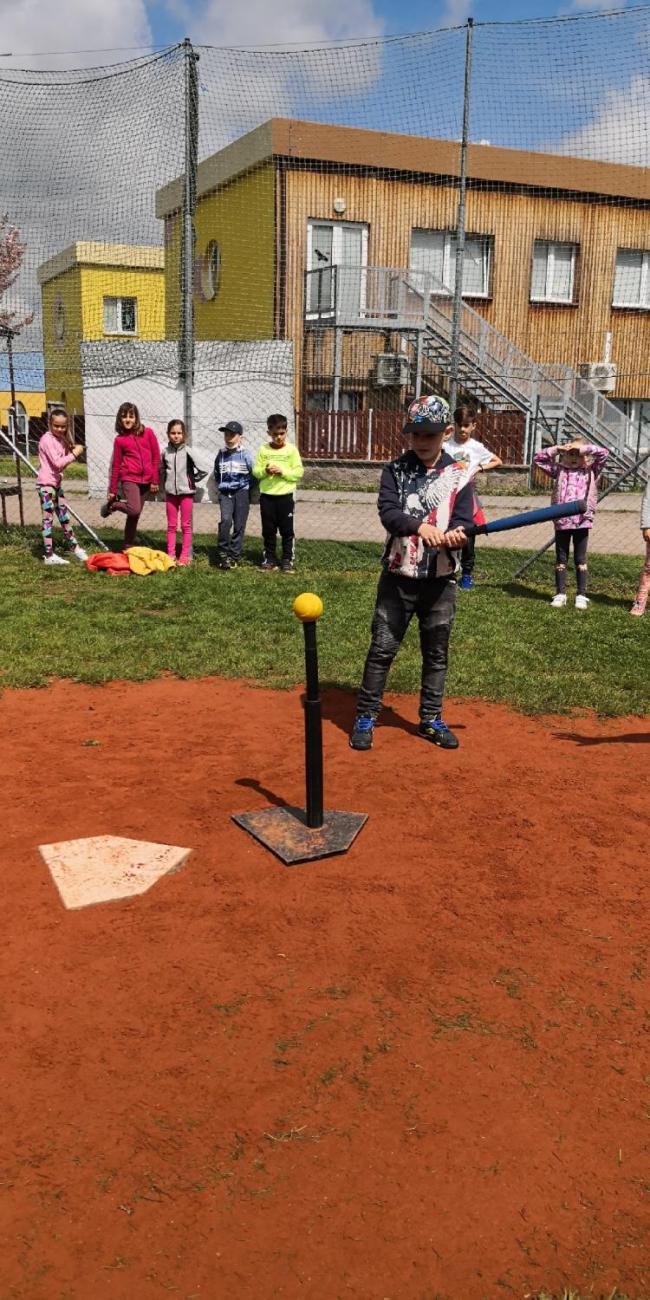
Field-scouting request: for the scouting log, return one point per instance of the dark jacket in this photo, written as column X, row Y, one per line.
column 409, row 495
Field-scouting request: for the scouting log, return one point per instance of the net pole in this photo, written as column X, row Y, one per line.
column 460, row 224
column 9, row 335
column 187, row 245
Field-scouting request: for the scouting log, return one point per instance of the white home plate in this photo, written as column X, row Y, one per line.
column 107, row 867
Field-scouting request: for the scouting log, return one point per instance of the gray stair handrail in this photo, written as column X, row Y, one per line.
column 406, row 300
column 557, row 391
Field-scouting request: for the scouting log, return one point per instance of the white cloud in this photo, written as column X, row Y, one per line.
column 31, row 26
column 456, row 12
column 84, row 153
column 290, row 22
column 620, row 132
column 242, row 87
column 593, row 6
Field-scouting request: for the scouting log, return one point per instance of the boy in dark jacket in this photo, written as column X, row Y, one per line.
column 425, row 500
column 233, row 475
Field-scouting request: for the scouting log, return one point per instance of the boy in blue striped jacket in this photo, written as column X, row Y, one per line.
column 233, row 474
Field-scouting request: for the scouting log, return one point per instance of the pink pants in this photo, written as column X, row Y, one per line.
column 184, row 504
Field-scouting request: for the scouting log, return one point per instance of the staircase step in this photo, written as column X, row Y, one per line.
column 502, row 377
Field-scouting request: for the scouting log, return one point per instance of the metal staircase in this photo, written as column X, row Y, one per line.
column 499, row 375
column 491, row 368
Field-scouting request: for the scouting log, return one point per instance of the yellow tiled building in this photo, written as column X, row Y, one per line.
column 96, row 291
column 235, row 262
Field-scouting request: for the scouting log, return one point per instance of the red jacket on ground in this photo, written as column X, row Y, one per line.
column 136, row 459
column 113, row 562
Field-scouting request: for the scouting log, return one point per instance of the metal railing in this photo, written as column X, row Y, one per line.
column 367, row 297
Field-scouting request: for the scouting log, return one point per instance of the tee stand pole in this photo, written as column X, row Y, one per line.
column 293, row 835
column 313, row 731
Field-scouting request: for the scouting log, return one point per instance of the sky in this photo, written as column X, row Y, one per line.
column 33, row 29
column 82, row 155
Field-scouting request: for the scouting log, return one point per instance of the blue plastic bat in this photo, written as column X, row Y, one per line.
column 526, row 517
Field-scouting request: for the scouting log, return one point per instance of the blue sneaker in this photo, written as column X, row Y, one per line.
column 467, row 582
column 361, row 737
column 437, row 731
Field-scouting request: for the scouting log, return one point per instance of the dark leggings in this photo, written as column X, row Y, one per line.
column 562, row 547
column 135, row 495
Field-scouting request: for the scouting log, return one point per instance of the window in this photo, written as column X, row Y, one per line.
column 119, row 315
column 637, row 411
column 210, row 271
column 344, row 245
column 323, row 400
column 553, row 278
column 59, row 319
column 433, row 252
column 631, row 279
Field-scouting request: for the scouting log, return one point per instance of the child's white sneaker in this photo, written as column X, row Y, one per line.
column 559, row 601
column 55, row 559
column 582, row 602
column 80, row 554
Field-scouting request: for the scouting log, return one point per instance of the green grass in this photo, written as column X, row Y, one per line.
column 507, row 645
column 8, row 469
column 578, row 1295
column 488, row 485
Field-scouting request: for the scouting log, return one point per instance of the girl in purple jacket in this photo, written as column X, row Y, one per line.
column 575, row 468
column 135, row 465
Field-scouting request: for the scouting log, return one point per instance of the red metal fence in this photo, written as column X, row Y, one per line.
column 377, row 435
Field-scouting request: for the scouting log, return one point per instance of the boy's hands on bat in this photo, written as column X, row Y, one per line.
column 455, row 538
column 431, row 536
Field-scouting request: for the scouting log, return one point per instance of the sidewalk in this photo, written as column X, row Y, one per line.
column 352, row 517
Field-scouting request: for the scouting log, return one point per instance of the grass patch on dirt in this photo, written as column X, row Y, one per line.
column 508, row 644
column 8, row 469
column 577, row 1295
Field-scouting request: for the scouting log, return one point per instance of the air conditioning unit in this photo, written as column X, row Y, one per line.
column 391, row 370
column 602, row 374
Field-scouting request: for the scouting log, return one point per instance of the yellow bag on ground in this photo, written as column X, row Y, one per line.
column 144, row 560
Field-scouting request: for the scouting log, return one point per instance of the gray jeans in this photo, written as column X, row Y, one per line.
column 433, row 601
column 234, row 508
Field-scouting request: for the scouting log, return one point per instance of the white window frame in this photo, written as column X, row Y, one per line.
column 449, row 240
column 337, row 229
column 551, row 245
column 644, row 292
column 110, row 297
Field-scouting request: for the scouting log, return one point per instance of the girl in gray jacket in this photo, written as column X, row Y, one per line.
column 641, row 598
column 180, row 474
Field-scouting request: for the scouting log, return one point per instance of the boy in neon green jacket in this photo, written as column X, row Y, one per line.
column 278, row 468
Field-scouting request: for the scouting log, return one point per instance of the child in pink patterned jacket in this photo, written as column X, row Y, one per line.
column 575, row 468
column 56, row 450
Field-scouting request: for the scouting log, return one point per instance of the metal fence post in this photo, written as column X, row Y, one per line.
column 460, row 225
column 186, row 342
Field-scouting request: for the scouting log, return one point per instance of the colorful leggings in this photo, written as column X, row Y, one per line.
column 54, row 503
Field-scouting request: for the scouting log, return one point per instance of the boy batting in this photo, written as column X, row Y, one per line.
column 425, row 501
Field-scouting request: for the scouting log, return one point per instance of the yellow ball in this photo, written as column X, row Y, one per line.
column 308, row 607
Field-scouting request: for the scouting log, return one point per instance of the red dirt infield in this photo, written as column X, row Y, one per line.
column 415, row 1072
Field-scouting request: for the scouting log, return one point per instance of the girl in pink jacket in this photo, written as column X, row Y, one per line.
column 55, row 452
column 575, row 468
column 135, row 465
